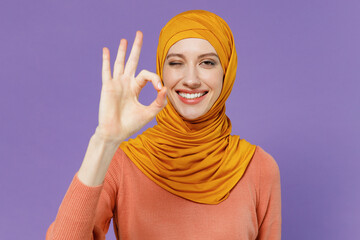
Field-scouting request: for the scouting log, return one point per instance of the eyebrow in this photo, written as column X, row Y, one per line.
column 200, row 56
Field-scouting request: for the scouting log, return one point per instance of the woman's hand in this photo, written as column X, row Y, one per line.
column 120, row 113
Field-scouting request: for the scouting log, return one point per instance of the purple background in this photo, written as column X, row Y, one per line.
column 296, row 95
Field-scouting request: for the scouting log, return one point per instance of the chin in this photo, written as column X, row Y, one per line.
column 189, row 112
column 191, row 116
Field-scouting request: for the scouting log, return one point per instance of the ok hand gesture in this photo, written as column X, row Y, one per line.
column 120, row 113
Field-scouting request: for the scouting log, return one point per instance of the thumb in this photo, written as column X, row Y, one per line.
column 159, row 103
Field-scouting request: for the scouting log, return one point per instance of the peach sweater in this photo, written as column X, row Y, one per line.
column 142, row 210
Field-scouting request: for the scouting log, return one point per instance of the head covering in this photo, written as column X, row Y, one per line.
column 198, row 159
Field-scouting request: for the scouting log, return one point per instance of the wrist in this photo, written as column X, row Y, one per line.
column 97, row 159
column 105, row 139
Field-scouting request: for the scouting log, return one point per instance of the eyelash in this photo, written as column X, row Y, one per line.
column 206, row 62
column 174, row 63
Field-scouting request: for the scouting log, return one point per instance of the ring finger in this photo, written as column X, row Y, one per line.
column 120, row 59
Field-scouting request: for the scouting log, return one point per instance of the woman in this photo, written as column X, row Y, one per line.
column 187, row 177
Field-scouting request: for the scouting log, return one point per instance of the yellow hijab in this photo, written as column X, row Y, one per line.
column 195, row 159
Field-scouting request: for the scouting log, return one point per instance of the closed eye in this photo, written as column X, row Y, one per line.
column 175, row 63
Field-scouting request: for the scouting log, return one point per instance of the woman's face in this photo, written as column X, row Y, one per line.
column 193, row 75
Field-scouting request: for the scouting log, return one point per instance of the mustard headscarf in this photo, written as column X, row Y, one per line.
column 195, row 159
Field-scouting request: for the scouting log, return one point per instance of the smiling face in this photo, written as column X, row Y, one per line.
column 193, row 75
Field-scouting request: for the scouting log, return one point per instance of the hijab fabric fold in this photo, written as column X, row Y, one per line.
column 199, row 159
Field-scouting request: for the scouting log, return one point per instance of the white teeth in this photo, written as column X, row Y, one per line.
column 191, row 95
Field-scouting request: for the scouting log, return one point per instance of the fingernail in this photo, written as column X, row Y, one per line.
column 159, row 86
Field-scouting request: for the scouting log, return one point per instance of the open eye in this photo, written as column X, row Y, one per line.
column 208, row 63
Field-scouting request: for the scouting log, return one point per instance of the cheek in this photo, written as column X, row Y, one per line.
column 218, row 90
column 220, row 81
column 171, row 77
column 167, row 77
column 217, row 83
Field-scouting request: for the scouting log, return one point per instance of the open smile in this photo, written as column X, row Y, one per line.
column 191, row 97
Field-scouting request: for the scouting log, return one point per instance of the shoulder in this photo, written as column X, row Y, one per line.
column 265, row 159
column 118, row 159
column 265, row 165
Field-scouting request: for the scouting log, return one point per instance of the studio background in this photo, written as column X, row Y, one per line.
column 296, row 95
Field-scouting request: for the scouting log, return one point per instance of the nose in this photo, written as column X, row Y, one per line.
column 191, row 78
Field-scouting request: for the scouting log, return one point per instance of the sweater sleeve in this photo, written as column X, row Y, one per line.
column 86, row 212
column 269, row 207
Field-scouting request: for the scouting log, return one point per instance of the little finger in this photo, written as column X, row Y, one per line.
column 106, row 71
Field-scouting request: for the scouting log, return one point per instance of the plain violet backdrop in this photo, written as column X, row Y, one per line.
column 296, row 95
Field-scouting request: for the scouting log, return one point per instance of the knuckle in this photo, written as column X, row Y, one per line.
column 142, row 72
column 157, row 77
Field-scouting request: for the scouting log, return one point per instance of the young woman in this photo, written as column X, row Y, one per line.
column 187, row 177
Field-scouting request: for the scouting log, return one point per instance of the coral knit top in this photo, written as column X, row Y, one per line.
column 141, row 209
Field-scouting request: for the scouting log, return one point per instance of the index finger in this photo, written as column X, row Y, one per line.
column 133, row 60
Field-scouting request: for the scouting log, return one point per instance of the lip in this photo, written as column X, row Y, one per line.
column 191, row 101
